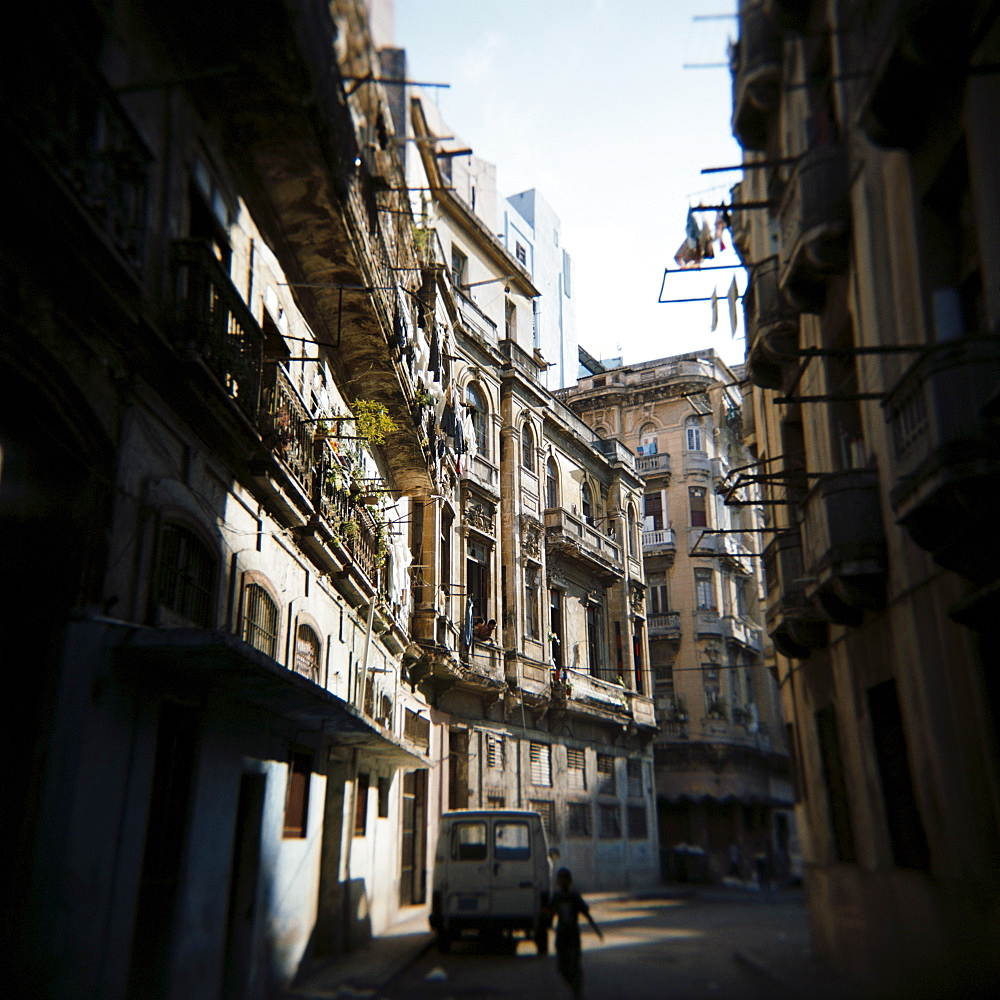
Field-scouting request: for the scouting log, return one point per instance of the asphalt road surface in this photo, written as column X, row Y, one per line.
column 717, row 944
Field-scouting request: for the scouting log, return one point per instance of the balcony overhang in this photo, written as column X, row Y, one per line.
column 814, row 218
column 225, row 665
column 756, row 75
column 282, row 116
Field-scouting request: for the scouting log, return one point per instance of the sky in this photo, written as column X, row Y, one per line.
column 589, row 101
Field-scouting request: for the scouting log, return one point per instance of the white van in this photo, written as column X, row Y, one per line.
column 491, row 875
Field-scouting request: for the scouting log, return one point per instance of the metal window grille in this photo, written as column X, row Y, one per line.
column 187, row 575
column 547, row 810
column 609, row 822
column 307, row 653
column 260, row 622
column 540, row 764
column 578, row 819
column 576, row 772
column 494, row 751
column 605, row 774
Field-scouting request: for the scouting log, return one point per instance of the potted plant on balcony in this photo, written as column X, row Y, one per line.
column 717, row 709
column 679, row 710
column 372, row 420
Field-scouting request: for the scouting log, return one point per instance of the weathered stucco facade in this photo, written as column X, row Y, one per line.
column 721, row 761
column 872, row 316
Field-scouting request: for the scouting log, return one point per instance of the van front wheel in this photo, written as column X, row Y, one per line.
column 542, row 940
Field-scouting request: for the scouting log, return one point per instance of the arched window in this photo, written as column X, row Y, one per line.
column 551, row 484
column 307, row 649
column 186, row 576
column 260, row 620
column 693, row 434
column 586, row 503
column 527, row 448
column 479, row 412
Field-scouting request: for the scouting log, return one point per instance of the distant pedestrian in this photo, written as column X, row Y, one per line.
column 567, row 905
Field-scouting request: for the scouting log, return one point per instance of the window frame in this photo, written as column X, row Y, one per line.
column 252, row 585
column 189, row 542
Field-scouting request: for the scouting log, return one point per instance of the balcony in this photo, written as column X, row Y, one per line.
column 592, row 693
column 654, row 466
column 795, row 627
column 772, row 327
column 78, row 129
column 745, row 633
column 616, row 453
column 756, row 75
column 477, row 324
column 643, row 710
column 570, row 537
column 697, row 462
column 665, row 626
column 212, row 320
column 285, row 425
column 659, row 543
column 814, row 221
column 946, row 454
column 844, row 545
column 484, row 667
column 351, row 525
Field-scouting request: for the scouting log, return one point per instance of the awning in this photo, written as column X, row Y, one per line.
column 237, row 670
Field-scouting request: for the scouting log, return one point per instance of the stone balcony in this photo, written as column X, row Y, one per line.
column 844, row 545
column 572, row 538
column 793, row 623
column 946, row 457
column 654, row 466
column 814, row 221
column 659, row 542
column 665, row 626
column 772, row 327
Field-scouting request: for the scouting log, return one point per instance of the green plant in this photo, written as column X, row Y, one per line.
column 372, row 420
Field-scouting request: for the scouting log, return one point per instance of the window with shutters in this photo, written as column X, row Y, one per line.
column 578, row 819
column 260, row 620
column 186, row 575
column 416, row 728
column 551, row 484
column 527, row 448
column 540, row 764
column 609, row 824
column 307, row 653
column 576, row 771
column 704, row 590
column 547, row 810
column 693, row 432
column 653, row 511
column 699, row 516
column 494, row 751
column 297, row 794
column 634, row 774
column 605, row 774
column 637, row 823
column 361, row 805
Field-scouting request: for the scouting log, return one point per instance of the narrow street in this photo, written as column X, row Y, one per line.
column 726, row 944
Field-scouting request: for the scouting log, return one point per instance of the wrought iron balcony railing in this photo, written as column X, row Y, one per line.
column 213, row 320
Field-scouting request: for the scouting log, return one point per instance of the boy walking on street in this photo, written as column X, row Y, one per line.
column 567, row 905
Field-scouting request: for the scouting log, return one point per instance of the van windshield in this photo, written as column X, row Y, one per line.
column 468, row 842
column 511, row 841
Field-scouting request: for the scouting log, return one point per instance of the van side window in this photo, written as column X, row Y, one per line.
column 468, row 842
column 511, row 841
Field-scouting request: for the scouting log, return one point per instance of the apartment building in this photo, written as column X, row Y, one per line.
column 208, row 445
column 722, row 775
column 550, row 706
column 870, row 137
